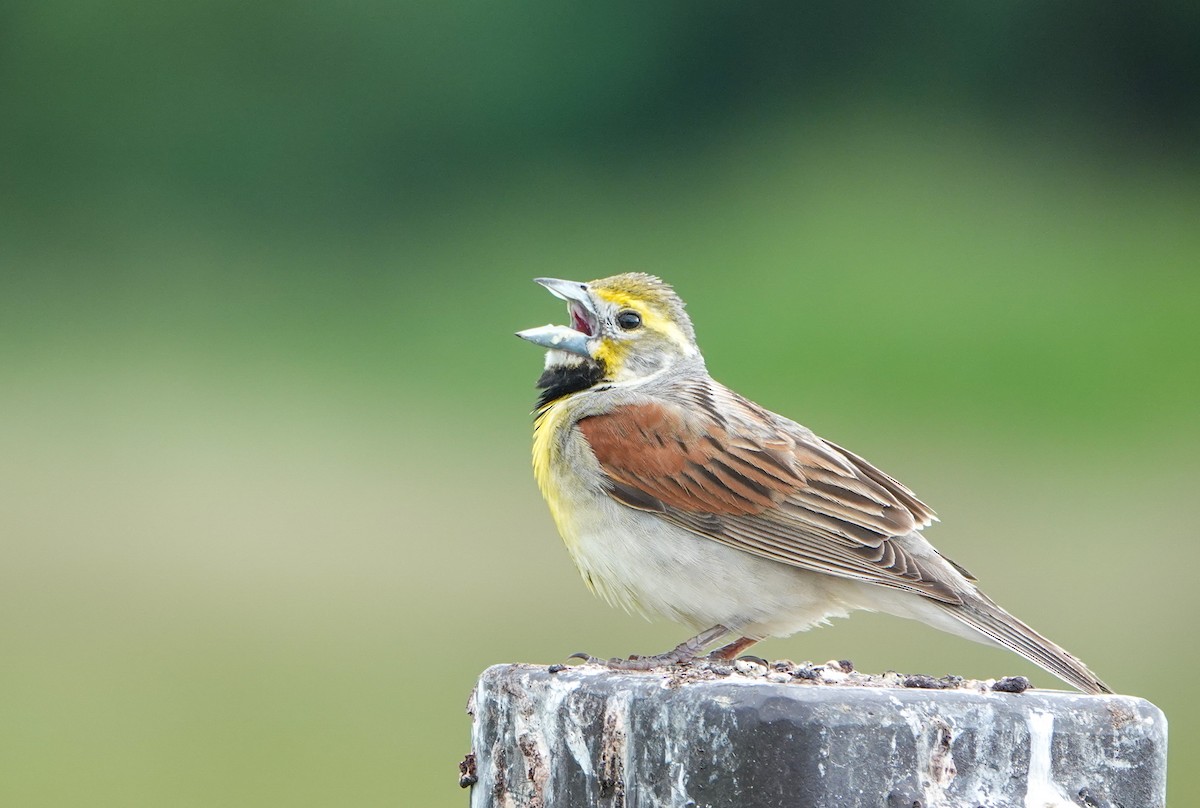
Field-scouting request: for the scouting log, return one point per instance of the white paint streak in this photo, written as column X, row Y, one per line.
column 560, row 688
column 984, row 780
column 1041, row 790
column 485, row 770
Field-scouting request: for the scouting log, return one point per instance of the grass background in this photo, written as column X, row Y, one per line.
column 267, row 508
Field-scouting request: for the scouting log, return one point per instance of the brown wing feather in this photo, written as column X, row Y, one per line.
column 743, row 476
column 681, row 461
column 921, row 512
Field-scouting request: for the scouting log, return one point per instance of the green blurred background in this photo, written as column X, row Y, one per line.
column 266, row 505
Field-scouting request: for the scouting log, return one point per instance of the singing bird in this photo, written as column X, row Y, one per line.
column 677, row 497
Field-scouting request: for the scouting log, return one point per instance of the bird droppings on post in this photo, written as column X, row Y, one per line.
column 806, row 672
column 1011, row 684
column 834, row 672
column 749, row 667
column 923, row 682
column 709, row 734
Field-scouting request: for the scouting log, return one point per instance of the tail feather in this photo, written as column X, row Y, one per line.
column 983, row 614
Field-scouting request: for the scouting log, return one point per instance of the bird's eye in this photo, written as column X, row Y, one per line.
column 629, row 320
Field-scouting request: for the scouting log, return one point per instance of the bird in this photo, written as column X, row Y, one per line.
column 678, row 498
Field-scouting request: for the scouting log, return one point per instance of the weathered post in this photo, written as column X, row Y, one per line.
column 803, row 736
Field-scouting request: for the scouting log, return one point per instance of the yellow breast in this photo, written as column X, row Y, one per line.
column 547, row 437
column 557, row 482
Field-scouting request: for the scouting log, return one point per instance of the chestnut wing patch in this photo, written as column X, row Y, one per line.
column 653, row 453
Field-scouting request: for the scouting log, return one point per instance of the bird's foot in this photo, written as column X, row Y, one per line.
column 684, row 652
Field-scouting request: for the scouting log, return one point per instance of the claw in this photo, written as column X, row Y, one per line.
column 587, row 658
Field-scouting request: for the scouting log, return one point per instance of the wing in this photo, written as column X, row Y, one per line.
column 725, row 468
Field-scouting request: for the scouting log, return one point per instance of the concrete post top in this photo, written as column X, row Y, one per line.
column 791, row 734
column 839, row 673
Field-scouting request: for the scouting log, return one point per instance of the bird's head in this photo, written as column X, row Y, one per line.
column 623, row 328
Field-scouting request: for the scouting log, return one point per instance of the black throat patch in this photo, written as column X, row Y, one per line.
column 561, row 381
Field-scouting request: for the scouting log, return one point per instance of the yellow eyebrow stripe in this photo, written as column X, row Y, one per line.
column 651, row 318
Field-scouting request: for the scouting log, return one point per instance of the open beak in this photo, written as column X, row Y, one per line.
column 584, row 322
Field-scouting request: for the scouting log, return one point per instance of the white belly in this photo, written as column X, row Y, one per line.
column 646, row 565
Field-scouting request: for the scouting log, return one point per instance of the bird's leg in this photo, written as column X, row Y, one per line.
column 686, row 651
column 732, row 650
